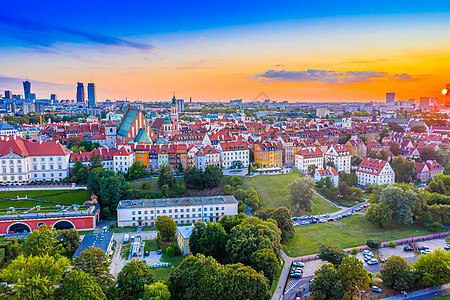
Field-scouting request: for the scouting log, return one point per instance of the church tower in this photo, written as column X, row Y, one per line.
column 174, row 114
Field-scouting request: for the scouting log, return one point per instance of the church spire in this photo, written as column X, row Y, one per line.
column 174, row 100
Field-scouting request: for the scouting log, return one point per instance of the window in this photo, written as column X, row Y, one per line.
column 145, row 212
column 170, row 211
column 157, row 211
column 181, row 210
column 134, row 218
column 133, row 213
column 210, row 209
column 139, row 212
column 164, row 211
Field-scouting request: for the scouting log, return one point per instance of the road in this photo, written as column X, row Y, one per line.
column 343, row 213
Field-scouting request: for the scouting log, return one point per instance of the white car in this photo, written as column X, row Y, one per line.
column 425, row 252
column 372, row 261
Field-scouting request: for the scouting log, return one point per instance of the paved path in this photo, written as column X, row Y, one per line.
column 429, row 293
column 329, row 201
column 283, row 277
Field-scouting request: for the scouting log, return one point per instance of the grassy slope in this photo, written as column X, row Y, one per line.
column 137, row 185
column 346, row 233
column 65, row 196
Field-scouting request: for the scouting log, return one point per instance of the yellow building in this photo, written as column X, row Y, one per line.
column 268, row 154
column 183, row 235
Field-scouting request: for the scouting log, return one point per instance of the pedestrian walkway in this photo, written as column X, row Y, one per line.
column 292, row 284
column 428, row 293
column 283, row 277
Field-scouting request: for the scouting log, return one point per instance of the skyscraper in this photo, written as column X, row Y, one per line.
column 390, row 97
column 8, row 95
column 26, row 89
column 180, row 104
column 80, row 92
column 53, row 97
column 91, row 94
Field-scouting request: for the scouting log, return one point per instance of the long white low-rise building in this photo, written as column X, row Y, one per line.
column 144, row 212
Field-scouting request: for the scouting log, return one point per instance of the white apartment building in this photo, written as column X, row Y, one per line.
column 23, row 161
column 375, row 171
column 122, row 160
column 340, row 156
column 234, row 155
column 306, row 157
column 144, row 212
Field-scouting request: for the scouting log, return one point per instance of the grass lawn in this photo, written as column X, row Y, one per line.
column 85, row 232
column 151, row 245
column 320, row 206
column 64, row 196
column 153, row 184
column 163, row 272
column 346, row 233
column 446, row 297
column 122, row 229
column 272, row 189
column 125, row 251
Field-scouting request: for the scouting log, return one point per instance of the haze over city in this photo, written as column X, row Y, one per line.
column 222, row 51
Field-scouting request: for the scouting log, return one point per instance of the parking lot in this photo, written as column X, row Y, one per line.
column 295, row 285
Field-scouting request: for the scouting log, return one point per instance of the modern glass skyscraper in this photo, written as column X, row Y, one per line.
column 80, row 92
column 26, row 89
column 390, row 97
column 91, row 94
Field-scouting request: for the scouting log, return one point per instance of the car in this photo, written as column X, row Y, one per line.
column 298, row 264
column 305, row 223
column 383, row 260
column 408, row 248
column 372, row 261
column 147, row 253
column 425, row 252
column 294, row 218
column 376, row 289
column 330, row 219
column 367, row 251
column 159, row 251
column 105, row 229
column 126, row 238
column 447, row 247
column 423, row 248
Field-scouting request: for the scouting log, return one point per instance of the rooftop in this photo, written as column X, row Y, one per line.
column 98, row 240
column 185, row 231
column 166, row 202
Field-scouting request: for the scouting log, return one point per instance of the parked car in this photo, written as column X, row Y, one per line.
column 383, row 260
column 159, row 251
column 423, row 248
column 298, row 264
column 372, row 261
column 126, row 238
column 425, row 252
column 147, row 253
column 447, row 247
column 408, row 248
column 376, row 289
column 105, row 229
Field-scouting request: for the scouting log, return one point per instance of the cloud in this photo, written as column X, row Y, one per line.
column 403, row 77
column 15, row 83
column 42, row 35
column 321, row 76
column 279, row 66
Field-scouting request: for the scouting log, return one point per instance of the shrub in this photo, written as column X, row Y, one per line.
column 373, row 244
column 436, row 227
column 173, row 250
column 392, row 244
column 354, row 251
column 146, row 186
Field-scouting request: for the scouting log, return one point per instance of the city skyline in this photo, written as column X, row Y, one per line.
column 310, row 52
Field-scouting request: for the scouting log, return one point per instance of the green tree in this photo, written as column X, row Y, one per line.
column 418, row 129
column 166, row 227
column 352, row 273
column 395, row 148
column 402, row 202
column 395, row 127
column 252, row 199
column 40, row 242
column 34, row 277
column 332, row 254
column 193, row 178
column 96, row 161
column 196, row 234
column 404, row 170
column 133, row 278
column 243, row 282
column 80, row 172
column 396, row 273
column 166, row 176
column 77, row 285
column 94, row 262
column 157, row 291
column 433, row 269
column 312, row 169
column 108, row 187
column 213, row 176
column 136, row 171
column 252, row 235
column 301, row 193
column 373, row 244
column 326, row 283
column 229, row 221
column 172, row 250
column 283, row 216
column 428, row 153
column 165, row 191
column 213, row 241
column 385, row 132
column 378, row 214
column 266, row 261
column 69, row 239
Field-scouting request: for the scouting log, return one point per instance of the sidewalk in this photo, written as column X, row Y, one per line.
column 428, row 293
column 278, row 294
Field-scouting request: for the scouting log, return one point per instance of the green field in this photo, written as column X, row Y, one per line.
column 320, row 206
column 163, row 273
column 63, row 196
column 346, row 233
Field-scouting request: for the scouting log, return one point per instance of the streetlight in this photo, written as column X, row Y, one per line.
column 358, row 291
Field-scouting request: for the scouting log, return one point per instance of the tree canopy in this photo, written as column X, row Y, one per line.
column 77, row 285
column 326, row 283
column 301, row 193
column 166, row 228
column 133, row 278
column 396, row 273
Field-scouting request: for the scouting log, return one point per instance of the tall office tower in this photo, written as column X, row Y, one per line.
column 425, row 102
column 180, row 105
column 80, row 92
column 91, row 94
column 53, row 97
column 26, row 89
column 390, row 97
column 8, row 95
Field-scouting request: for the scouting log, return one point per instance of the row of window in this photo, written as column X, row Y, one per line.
column 211, row 215
column 176, row 222
column 145, row 212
